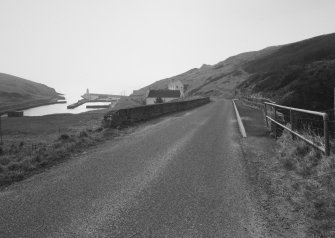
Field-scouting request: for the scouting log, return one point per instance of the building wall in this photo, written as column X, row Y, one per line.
column 177, row 85
column 150, row 101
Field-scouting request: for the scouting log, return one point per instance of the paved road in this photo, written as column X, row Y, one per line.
column 181, row 176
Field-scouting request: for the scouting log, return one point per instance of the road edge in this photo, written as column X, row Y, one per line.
column 239, row 121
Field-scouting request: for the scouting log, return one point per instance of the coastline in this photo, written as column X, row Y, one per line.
column 32, row 105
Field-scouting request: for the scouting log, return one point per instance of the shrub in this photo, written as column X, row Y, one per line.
column 52, row 156
column 83, row 134
column 43, row 163
column 289, row 164
column 28, row 164
column 158, row 100
column 62, row 152
column 310, row 184
column 64, row 137
column 302, row 149
column 15, row 176
column 13, row 148
column 14, row 166
column 73, row 138
column 22, row 165
column 37, row 159
column 99, row 129
column 4, row 160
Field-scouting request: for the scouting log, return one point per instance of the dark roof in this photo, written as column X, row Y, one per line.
column 164, row 94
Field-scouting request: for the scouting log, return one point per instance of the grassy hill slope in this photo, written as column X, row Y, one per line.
column 300, row 74
column 17, row 93
column 213, row 80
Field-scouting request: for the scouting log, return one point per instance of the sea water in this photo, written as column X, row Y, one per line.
column 61, row 108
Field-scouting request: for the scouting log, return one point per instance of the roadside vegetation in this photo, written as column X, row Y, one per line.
column 18, row 160
column 306, row 179
column 32, row 144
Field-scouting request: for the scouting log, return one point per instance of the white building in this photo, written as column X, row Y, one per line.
column 177, row 85
column 164, row 95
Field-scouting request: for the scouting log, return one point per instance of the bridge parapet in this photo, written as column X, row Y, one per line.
column 114, row 119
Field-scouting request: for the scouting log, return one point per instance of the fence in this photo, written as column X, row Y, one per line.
column 273, row 118
column 296, row 121
column 331, row 114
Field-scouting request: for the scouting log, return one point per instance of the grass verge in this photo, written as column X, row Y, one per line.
column 306, row 179
column 18, row 161
column 32, row 144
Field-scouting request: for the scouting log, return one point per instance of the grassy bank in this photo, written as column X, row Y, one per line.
column 306, row 179
column 32, row 144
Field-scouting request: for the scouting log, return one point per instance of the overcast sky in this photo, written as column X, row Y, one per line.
column 115, row 45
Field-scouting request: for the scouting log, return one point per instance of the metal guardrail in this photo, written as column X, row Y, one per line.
column 325, row 148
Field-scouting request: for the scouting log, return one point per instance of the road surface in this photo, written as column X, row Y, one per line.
column 180, row 176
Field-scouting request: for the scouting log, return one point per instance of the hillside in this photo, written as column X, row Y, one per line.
column 300, row 74
column 18, row 93
column 213, row 80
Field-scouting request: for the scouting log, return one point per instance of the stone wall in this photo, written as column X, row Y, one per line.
column 127, row 116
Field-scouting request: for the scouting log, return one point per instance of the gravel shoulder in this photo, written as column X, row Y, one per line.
column 275, row 212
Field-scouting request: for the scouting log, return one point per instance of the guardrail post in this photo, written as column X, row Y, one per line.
column 266, row 114
column 292, row 123
column 275, row 125
column 326, row 133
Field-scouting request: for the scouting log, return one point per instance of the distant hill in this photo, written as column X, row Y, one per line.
column 213, row 80
column 16, row 93
column 300, row 74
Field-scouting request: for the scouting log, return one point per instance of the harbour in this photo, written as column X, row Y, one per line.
column 95, row 97
column 63, row 109
column 88, row 102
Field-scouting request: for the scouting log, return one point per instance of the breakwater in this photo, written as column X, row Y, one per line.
column 97, row 106
column 127, row 116
column 77, row 104
column 83, row 101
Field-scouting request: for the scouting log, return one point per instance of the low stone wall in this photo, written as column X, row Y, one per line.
column 127, row 116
